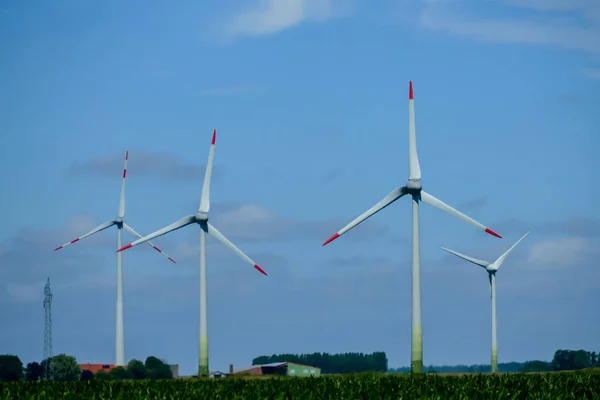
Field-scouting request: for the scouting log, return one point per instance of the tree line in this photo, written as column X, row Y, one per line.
column 563, row 360
column 332, row 363
column 63, row 367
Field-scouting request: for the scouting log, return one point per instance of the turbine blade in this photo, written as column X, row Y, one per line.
column 212, row 231
column 490, row 280
column 475, row 261
column 205, row 196
column 500, row 260
column 97, row 229
column 432, row 201
column 387, row 200
column 122, row 202
column 149, row 243
column 169, row 228
column 414, row 169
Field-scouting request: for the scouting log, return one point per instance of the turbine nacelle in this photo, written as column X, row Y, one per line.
column 414, row 187
column 201, row 217
column 495, row 266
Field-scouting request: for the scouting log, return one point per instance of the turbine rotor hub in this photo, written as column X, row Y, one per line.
column 414, row 187
column 201, row 217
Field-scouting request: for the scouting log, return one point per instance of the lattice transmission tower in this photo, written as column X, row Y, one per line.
column 48, row 370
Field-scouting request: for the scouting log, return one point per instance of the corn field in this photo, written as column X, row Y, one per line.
column 467, row 387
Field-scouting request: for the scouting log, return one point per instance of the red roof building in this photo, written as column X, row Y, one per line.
column 94, row 368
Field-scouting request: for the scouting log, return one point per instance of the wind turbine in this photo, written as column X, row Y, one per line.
column 201, row 218
column 120, row 342
column 413, row 188
column 491, row 269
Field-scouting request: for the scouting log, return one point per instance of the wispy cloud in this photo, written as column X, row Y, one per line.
column 570, row 98
column 593, row 73
column 153, row 164
column 587, row 227
column 563, row 252
column 572, row 25
column 250, row 223
column 474, row 205
column 227, row 90
column 272, row 16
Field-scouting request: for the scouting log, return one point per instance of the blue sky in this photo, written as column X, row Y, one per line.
column 310, row 101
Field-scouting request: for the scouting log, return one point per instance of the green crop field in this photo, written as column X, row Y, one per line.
column 510, row 386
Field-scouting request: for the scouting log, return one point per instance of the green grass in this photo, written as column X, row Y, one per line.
column 572, row 385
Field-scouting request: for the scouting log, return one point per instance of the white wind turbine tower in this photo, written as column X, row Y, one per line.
column 414, row 189
column 201, row 218
column 120, row 342
column 491, row 268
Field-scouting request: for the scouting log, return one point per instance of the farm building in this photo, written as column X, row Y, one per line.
column 281, row 368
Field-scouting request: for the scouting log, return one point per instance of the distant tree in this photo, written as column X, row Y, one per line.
column 582, row 359
column 152, row 362
column 11, row 368
column 34, row 371
column 137, row 369
column 536, row 366
column 86, row 375
column 565, row 360
column 64, row 368
column 119, row 373
column 502, row 367
column 156, row 369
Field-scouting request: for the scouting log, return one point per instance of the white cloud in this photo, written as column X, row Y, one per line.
column 81, row 223
column 250, row 222
column 25, row 293
column 572, row 25
column 272, row 16
column 563, row 252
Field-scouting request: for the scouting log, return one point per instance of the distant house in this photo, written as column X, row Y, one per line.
column 281, row 368
column 174, row 370
column 94, row 368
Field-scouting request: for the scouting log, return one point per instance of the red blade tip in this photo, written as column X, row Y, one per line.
column 259, row 269
column 410, row 91
column 214, row 139
column 127, row 155
column 58, row 248
column 491, row 232
column 170, row 259
column 124, row 247
column 331, row 239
